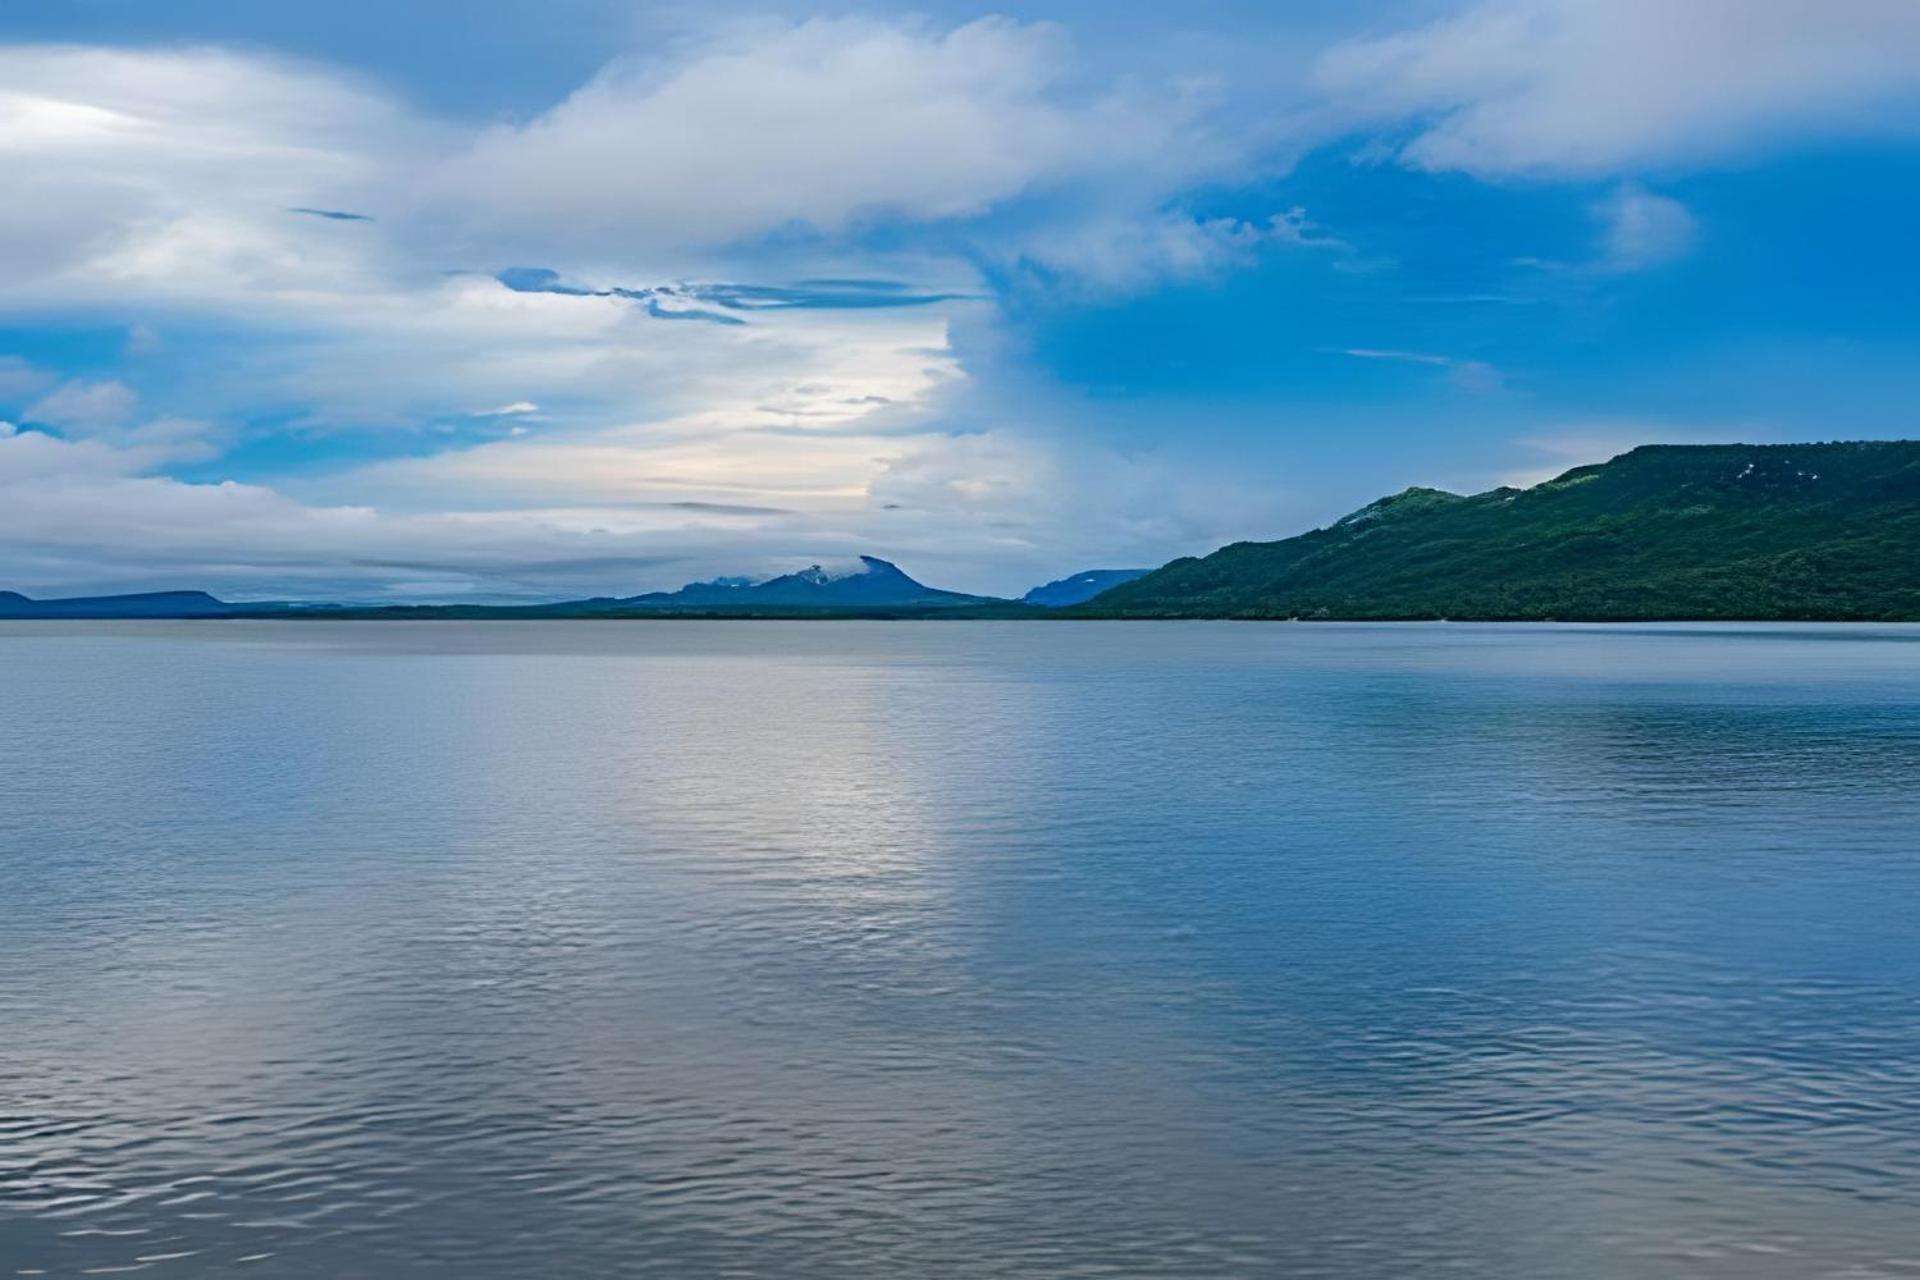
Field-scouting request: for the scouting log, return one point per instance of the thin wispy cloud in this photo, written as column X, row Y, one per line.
column 1468, row 375
column 1642, row 229
column 20, row 378
column 680, row 301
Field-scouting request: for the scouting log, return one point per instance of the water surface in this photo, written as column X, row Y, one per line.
column 959, row 949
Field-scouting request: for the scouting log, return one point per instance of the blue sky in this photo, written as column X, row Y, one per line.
column 383, row 302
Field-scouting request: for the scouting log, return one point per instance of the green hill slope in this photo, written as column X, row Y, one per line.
column 1667, row 531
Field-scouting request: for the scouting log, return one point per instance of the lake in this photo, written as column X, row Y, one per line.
column 696, row 949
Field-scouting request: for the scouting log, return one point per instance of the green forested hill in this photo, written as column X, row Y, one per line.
column 1666, row 531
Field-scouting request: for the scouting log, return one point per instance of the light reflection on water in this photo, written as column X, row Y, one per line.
column 959, row 949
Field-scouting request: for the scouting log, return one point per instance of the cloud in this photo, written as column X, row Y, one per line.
column 1042, row 507
column 85, row 406
column 153, row 189
column 19, row 379
column 85, row 514
column 142, row 340
column 819, row 124
column 115, row 155
column 1128, row 250
column 649, row 464
column 1642, row 229
column 27, row 455
column 1585, row 87
column 104, row 410
column 993, row 511
column 161, row 180
column 1468, row 375
column 817, row 406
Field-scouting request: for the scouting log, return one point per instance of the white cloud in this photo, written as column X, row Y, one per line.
column 160, row 183
column 1642, row 229
column 1036, row 508
column 154, row 187
column 667, row 462
column 35, row 455
column 993, row 512
column 84, row 514
column 157, row 184
column 104, row 410
column 161, row 186
column 819, row 123
column 1130, row 249
column 19, row 378
column 1604, row 86
column 176, row 158
column 85, row 406
column 143, row 340
column 1468, row 375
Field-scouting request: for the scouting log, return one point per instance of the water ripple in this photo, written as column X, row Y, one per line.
column 986, row 950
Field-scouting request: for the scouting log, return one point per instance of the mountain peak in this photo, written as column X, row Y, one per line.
column 862, row 566
column 867, row 582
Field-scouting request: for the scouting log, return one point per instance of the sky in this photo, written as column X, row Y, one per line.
column 444, row 302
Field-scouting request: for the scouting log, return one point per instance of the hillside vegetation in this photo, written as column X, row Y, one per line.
column 1810, row 531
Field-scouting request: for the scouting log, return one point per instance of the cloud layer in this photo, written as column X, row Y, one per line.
column 818, row 125
column 1605, row 86
column 727, row 304
column 346, row 265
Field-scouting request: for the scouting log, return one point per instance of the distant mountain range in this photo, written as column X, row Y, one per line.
column 1080, row 588
column 151, row 604
column 1810, row 531
column 874, row 582
column 871, row 586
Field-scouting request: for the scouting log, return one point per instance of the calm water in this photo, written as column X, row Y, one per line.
column 898, row 950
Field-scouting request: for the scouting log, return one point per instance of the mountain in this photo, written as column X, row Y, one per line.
column 1810, row 531
column 875, row 583
column 1080, row 588
column 874, row 588
column 151, row 604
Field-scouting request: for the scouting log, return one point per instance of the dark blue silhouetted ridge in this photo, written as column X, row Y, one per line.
column 148, row 604
column 1080, row 588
